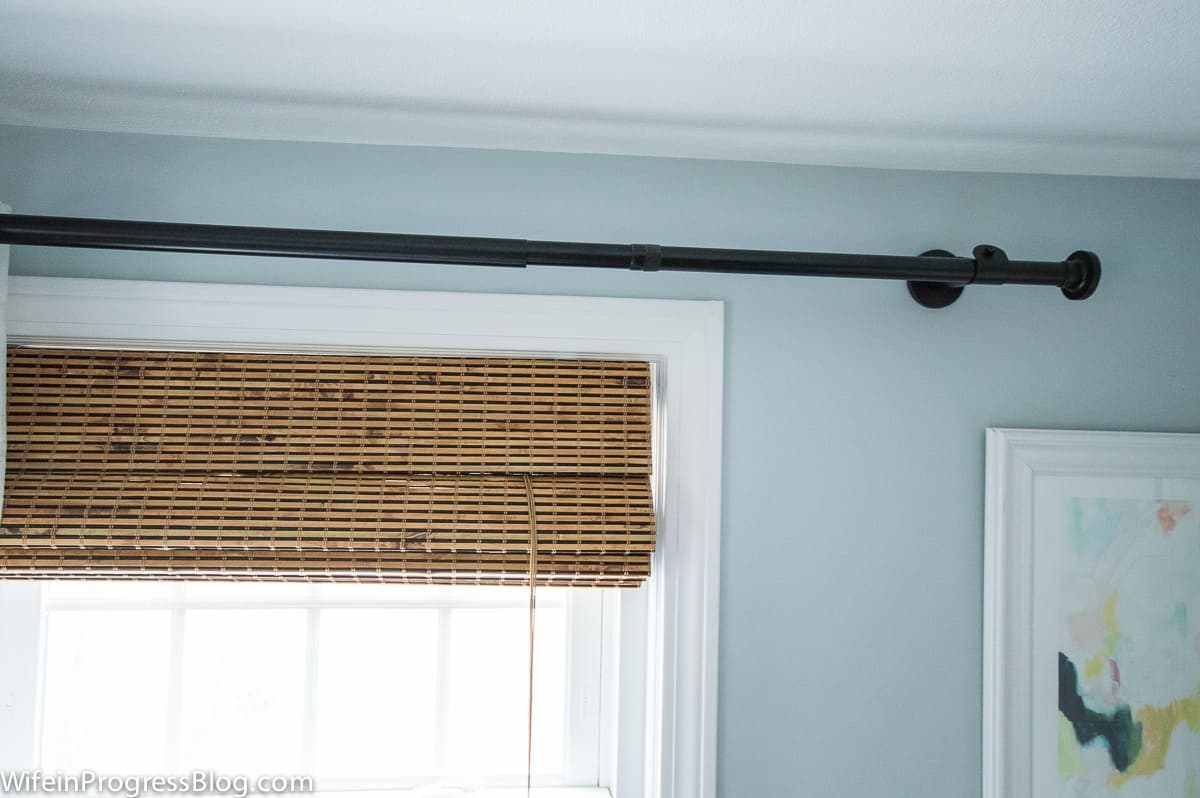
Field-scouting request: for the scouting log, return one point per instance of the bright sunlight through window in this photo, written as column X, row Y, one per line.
column 361, row 686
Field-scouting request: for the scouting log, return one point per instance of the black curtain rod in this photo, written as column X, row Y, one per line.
column 935, row 278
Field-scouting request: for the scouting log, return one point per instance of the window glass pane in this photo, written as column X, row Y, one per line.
column 509, row 596
column 377, row 694
column 70, row 590
column 105, row 690
column 394, row 700
column 242, row 703
column 246, row 591
column 550, row 596
column 489, row 682
column 378, row 592
column 550, row 688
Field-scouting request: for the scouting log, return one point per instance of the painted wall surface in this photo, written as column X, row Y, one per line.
column 853, row 484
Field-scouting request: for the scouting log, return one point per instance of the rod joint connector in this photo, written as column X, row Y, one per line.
column 645, row 257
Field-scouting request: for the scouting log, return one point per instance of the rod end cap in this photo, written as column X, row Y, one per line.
column 1084, row 274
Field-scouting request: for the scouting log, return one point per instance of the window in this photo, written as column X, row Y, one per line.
column 361, row 686
column 658, row 692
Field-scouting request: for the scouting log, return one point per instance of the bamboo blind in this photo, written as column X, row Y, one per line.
column 214, row 465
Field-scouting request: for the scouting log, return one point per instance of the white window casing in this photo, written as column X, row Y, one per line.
column 661, row 666
column 4, row 258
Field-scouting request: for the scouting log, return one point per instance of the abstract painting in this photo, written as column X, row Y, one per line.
column 1129, row 662
column 1092, row 615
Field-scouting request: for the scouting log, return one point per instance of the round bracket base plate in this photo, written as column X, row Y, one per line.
column 934, row 295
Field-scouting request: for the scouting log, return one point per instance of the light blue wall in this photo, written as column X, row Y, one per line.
column 852, row 588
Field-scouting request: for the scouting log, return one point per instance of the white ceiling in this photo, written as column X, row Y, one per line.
column 1060, row 86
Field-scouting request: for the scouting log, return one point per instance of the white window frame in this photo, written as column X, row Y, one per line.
column 661, row 717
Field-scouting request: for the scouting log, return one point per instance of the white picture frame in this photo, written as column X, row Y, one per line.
column 1029, row 472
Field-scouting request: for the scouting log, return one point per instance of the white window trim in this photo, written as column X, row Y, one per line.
column 665, row 732
column 5, row 251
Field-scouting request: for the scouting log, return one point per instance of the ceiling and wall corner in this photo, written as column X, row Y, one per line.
column 1098, row 87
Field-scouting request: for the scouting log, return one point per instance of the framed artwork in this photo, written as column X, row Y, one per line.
column 1091, row 615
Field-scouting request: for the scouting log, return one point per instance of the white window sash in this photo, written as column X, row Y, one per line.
column 25, row 607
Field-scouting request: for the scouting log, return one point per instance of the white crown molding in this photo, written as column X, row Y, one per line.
column 1023, row 86
column 129, row 108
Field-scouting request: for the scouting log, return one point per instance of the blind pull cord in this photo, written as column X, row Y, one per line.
column 533, row 535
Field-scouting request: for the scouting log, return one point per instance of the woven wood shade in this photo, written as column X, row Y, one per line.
column 206, row 465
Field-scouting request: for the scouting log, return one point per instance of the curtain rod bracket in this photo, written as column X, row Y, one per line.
column 933, row 294
column 990, row 261
column 1080, row 274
